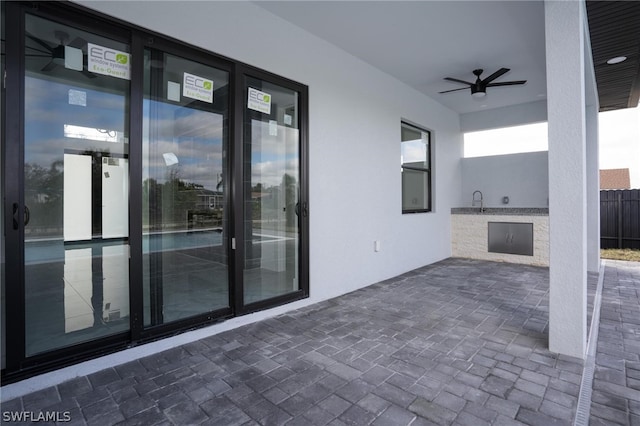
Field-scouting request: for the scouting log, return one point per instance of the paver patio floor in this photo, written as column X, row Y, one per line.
column 457, row 342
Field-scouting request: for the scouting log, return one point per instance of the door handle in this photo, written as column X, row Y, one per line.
column 301, row 210
column 16, row 216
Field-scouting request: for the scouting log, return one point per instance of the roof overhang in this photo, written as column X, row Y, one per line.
column 614, row 28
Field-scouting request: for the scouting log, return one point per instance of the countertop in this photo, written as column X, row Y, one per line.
column 507, row 211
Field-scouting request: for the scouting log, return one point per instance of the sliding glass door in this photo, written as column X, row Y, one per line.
column 150, row 187
column 76, row 187
column 184, row 173
column 272, row 200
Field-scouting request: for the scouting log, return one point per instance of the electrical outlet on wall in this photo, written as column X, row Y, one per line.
column 376, row 245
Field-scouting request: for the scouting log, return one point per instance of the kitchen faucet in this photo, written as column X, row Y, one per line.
column 476, row 200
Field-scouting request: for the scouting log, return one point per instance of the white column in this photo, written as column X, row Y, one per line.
column 567, row 176
column 593, row 190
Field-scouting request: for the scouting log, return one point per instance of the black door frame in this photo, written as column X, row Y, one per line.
column 18, row 366
column 241, row 93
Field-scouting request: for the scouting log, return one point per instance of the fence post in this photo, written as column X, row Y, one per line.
column 619, row 206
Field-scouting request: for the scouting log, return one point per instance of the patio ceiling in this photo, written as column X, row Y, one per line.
column 615, row 31
column 421, row 42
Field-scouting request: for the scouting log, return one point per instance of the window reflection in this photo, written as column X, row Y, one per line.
column 272, row 194
column 76, row 190
column 184, row 212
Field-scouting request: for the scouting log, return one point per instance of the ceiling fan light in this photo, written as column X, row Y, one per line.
column 479, row 95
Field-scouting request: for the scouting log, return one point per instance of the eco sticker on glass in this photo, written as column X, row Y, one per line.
column 107, row 61
column 259, row 101
column 198, row 88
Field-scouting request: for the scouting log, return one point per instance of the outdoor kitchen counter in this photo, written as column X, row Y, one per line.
column 470, row 236
column 506, row 211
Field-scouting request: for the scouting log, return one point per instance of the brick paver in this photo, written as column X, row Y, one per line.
column 616, row 383
column 457, row 342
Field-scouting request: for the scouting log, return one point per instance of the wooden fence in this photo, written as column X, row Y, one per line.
column 620, row 218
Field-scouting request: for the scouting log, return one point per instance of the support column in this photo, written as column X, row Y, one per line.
column 564, row 32
column 593, row 190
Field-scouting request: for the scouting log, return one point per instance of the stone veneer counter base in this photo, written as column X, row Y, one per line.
column 470, row 233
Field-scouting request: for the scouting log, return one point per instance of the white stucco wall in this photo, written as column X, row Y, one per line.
column 354, row 140
column 524, row 178
column 565, row 32
column 496, row 118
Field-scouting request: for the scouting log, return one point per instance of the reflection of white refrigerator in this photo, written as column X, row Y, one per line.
column 280, row 142
column 79, row 287
column 77, row 197
column 115, row 197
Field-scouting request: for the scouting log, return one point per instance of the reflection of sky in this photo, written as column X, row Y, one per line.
column 194, row 136
column 273, row 155
column 47, row 110
column 414, row 151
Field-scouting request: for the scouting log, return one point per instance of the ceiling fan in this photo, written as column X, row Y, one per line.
column 479, row 88
column 57, row 53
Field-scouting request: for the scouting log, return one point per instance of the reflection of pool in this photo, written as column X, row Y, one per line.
column 180, row 240
column 51, row 250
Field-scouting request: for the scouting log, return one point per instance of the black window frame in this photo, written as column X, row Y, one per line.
column 427, row 170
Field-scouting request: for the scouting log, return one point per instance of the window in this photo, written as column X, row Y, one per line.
column 415, row 159
column 506, row 140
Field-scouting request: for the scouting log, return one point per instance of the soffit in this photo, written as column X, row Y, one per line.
column 614, row 28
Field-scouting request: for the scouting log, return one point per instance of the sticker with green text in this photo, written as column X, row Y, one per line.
column 259, row 101
column 196, row 87
column 106, row 61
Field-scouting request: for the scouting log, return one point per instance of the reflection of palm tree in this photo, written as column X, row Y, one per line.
column 289, row 187
column 43, row 195
column 169, row 204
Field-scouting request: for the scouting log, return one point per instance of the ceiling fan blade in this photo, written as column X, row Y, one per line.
column 78, row 43
column 495, row 75
column 458, row 81
column 51, row 65
column 40, row 42
column 506, row 83
column 455, row 90
column 33, row 49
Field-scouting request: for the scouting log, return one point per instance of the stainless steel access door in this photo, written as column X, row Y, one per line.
column 511, row 238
